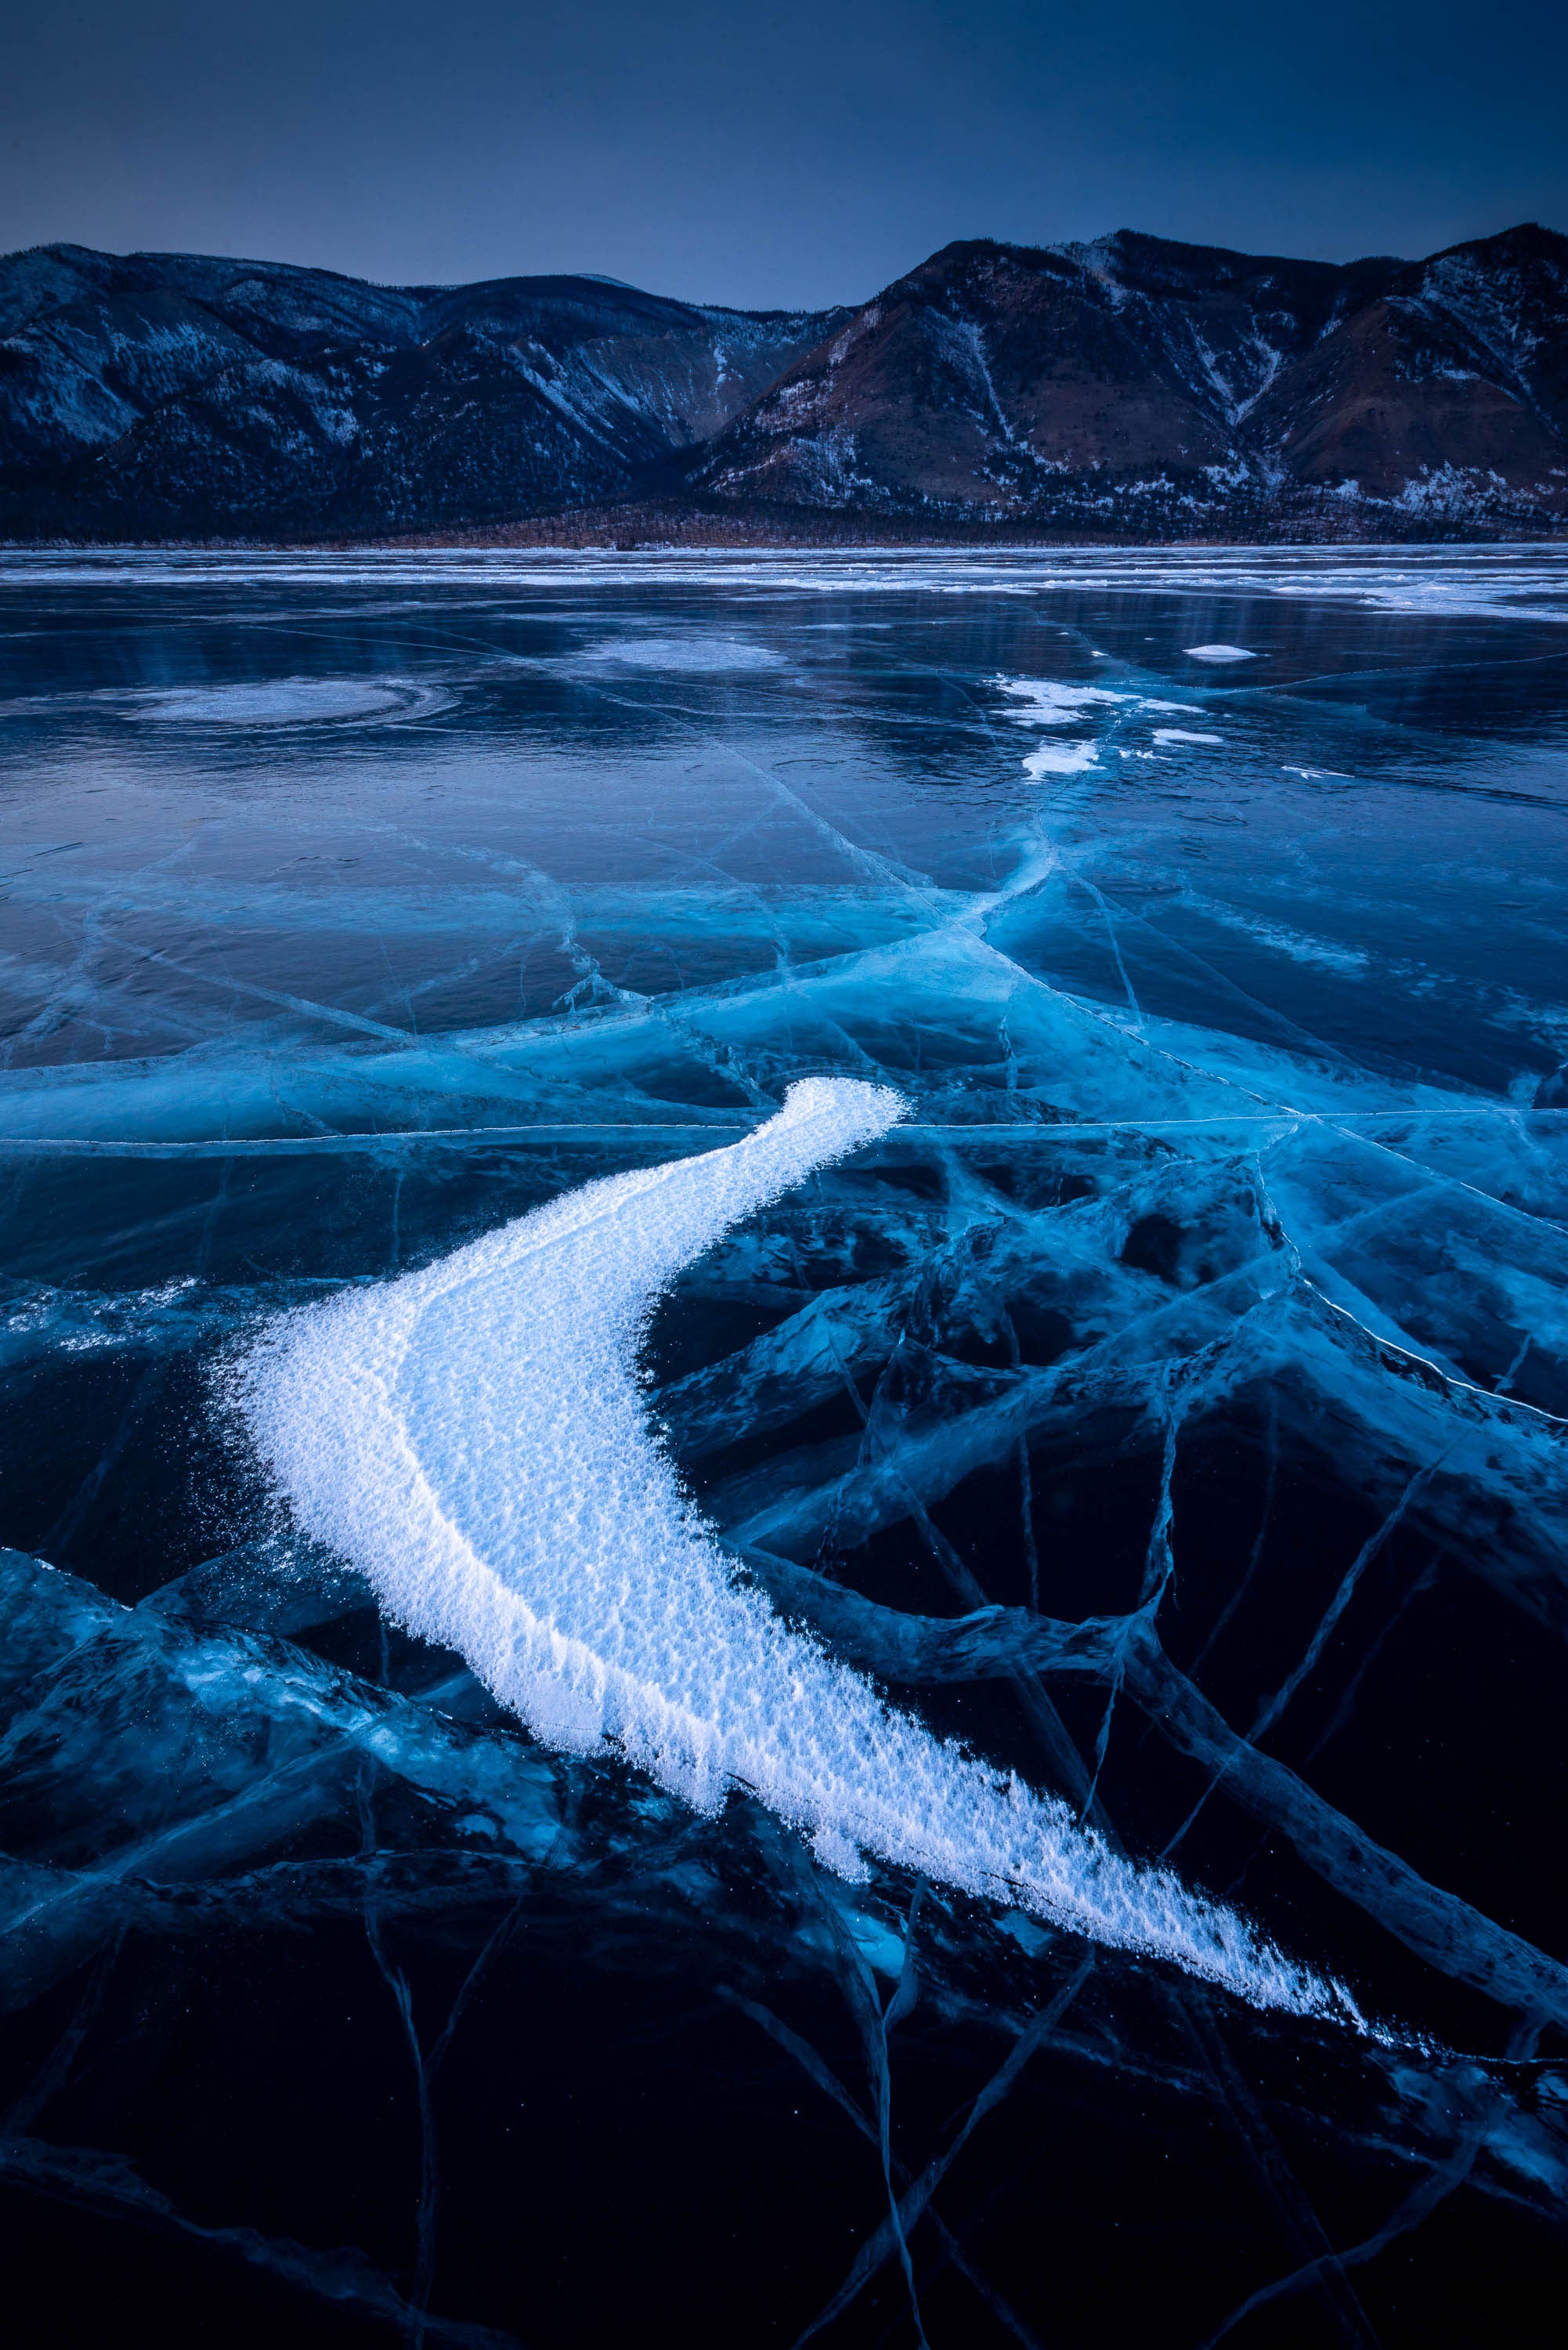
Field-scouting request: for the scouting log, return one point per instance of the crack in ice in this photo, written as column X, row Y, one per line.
column 472, row 1437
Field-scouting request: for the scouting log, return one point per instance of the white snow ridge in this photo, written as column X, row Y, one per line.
column 474, row 1439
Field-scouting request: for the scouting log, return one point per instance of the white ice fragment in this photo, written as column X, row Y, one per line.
column 1217, row 653
column 474, row 1439
column 1048, row 703
column 1180, row 734
column 1061, row 759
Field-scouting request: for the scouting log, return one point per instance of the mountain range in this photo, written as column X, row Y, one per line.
column 1129, row 389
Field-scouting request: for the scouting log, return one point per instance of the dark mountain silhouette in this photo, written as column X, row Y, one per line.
column 169, row 394
column 1132, row 389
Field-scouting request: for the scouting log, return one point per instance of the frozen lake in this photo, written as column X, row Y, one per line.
column 940, row 1722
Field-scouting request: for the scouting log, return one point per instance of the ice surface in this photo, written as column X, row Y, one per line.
column 472, row 1439
column 291, row 701
column 1164, row 1418
column 1508, row 581
column 674, row 654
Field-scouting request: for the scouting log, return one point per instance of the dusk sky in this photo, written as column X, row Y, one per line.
column 769, row 155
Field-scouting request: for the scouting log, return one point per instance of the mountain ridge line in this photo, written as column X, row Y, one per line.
column 1131, row 389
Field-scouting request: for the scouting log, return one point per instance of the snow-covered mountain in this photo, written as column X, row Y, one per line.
column 172, row 393
column 1153, row 387
column 1134, row 388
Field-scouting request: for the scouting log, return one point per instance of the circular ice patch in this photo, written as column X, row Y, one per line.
column 703, row 653
column 282, row 702
column 1217, row 653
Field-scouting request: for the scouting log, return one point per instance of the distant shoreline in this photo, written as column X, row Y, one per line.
column 638, row 530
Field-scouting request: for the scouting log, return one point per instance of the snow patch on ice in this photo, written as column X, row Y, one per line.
column 1062, row 759
column 1217, row 653
column 473, row 1437
column 1047, row 703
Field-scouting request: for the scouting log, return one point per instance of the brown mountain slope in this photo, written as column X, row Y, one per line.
column 1143, row 385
